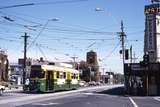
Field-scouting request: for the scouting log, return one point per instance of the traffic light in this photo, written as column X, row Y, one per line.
column 146, row 58
column 126, row 54
column 145, row 61
column 120, row 51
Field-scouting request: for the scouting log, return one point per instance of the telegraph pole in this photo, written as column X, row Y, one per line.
column 103, row 75
column 131, row 54
column 25, row 56
column 122, row 37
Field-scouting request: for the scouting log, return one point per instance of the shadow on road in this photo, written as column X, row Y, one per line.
column 119, row 91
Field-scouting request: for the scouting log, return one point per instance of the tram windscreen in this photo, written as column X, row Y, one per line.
column 37, row 74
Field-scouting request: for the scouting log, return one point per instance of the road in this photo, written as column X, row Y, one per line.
column 109, row 96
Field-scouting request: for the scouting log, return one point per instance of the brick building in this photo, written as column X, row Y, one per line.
column 93, row 65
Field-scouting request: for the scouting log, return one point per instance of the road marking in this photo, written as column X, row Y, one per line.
column 157, row 98
column 45, row 104
column 88, row 93
column 133, row 102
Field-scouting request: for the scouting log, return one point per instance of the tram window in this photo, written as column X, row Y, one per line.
column 57, row 74
column 61, row 75
column 72, row 76
column 76, row 77
column 64, row 74
column 37, row 74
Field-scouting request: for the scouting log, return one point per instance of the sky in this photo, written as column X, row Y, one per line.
column 78, row 28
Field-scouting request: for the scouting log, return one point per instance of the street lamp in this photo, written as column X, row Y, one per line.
column 98, row 9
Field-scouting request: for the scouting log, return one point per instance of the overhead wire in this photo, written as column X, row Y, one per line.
column 41, row 3
column 111, row 52
column 41, row 51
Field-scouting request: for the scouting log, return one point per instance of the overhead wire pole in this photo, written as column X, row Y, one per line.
column 25, row 56
column 122, row 36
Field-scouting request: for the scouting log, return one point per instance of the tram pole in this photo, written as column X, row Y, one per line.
column 25, row 56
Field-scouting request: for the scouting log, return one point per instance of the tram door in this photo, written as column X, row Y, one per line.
column 49, row 81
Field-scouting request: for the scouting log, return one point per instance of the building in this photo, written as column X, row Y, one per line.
column 152, row 32
column 3, row 66
column 143, row 78
column 108, row 78
column 93, row 65
column 15, row 74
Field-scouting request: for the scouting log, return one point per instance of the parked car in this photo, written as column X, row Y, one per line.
column 82, row 83
column 92, row 83
column 2, row 88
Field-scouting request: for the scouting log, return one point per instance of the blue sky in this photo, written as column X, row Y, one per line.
column 79, row 29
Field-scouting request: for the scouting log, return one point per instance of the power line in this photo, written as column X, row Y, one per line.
column 60, row 2
column 41, row 51
column 111, row 51
column 64, row 30
column 41, row 3
column 18, row 5
column 83, row 39
column 9, row 40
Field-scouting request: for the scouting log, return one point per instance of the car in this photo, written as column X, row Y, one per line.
column 82, row 83
column 2, row 88
column 92, row 83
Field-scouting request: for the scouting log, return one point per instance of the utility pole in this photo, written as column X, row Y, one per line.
column 131, row 54
column 122, row 36
column 25, row 56
column 103, row 75
column 134, row 57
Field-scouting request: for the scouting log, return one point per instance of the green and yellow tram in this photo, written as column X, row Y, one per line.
column 50, row 78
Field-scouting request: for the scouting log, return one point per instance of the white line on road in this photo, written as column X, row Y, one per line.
column 133, row 102
column 45, row 104
column 157, row 98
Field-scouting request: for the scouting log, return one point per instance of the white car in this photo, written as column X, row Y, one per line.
column 82, row 83
column 2, row 88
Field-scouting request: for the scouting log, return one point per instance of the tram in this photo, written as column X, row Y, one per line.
column 50, row 78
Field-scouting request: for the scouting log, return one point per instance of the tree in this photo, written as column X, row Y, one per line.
column 85, row 71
